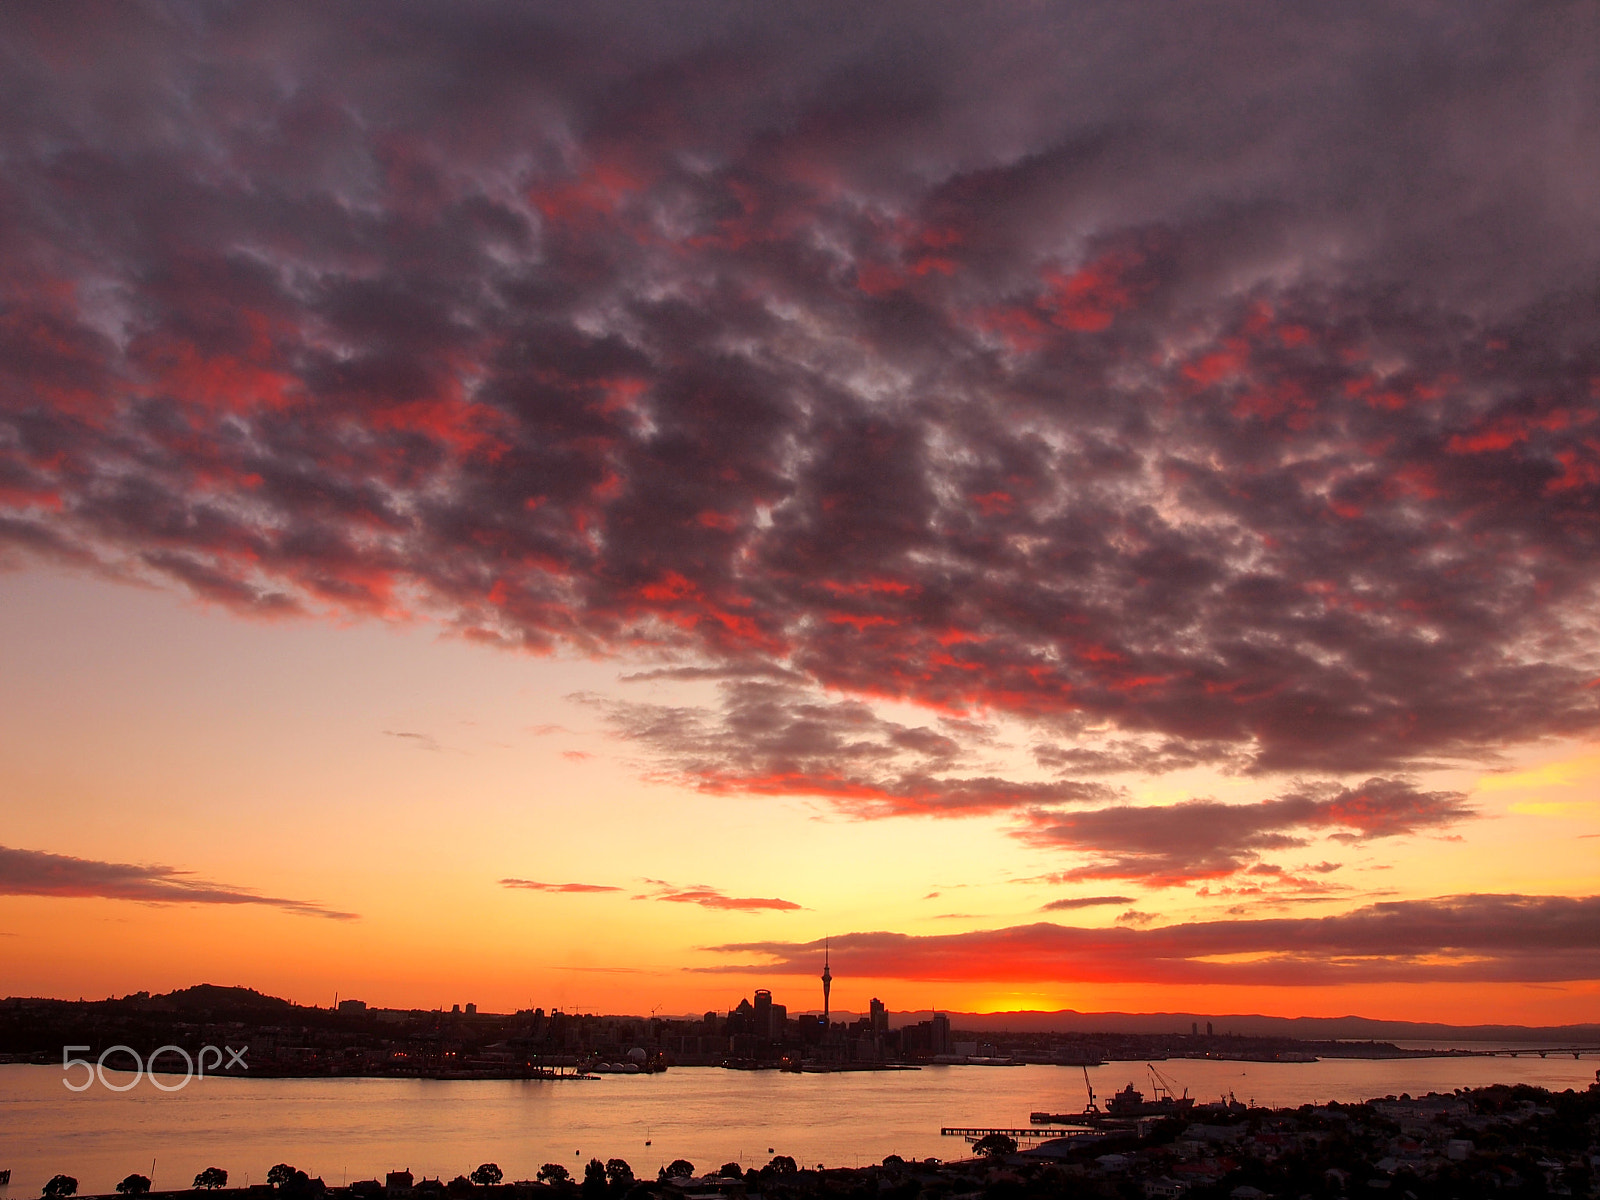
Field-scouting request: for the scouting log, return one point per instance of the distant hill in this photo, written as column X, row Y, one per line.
column 213, row 999
column 1349, row 1028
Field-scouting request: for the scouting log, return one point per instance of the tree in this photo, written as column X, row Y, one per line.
column 61, row 1185
column 594, row 1180
column 782, row 1164
column 210, row 1178
column 680, row 1168
column 553, row 1173
column 995, row 1145
column 279, row 1175
column 619, row 1175
column 488, row 1175
column 730, row 1171
column 134, row 1185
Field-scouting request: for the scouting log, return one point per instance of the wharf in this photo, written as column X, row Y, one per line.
column 1033, row 1133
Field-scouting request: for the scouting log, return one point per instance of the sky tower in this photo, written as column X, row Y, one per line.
column 827, row 982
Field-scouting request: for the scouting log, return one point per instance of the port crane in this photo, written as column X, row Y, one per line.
column 1164, row 1088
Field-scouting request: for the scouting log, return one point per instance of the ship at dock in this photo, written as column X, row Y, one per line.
column 1128, row 1103
column 1131, row 1102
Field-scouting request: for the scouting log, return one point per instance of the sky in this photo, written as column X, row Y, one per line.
column 1080, row 506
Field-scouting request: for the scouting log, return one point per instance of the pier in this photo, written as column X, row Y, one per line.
column 1033, row 1133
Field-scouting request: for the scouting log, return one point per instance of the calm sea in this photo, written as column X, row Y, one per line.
column 349, row 1129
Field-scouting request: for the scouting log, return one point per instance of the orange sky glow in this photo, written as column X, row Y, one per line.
column 1080, row 515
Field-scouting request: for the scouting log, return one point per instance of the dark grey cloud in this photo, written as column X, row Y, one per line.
column 1167, row 844
column 1225, row 384
column 777, row 739
column 39, row 873
column 1462, row 939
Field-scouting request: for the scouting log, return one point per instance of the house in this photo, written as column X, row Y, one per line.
column 1163, row 1188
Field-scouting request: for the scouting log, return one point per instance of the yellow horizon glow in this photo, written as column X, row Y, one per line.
column 141, row 728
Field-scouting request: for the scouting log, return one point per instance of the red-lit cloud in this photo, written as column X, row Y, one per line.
column 1020, row 374
column 1464, row 939
column 777, row 739
column 701, row 894
column 534, row 885
column 37, row 873
column 710, row 897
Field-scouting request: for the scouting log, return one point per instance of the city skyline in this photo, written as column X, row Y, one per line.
column 607, row 508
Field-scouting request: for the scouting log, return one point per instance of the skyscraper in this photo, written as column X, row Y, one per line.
column 763, row 1013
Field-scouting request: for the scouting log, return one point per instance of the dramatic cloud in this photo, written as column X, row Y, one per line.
column 710, row 897
column 1227, row 384
column 1463, row 939
column 1162, row 845
column 37, row 873
column 778, row 739
column 535, row 886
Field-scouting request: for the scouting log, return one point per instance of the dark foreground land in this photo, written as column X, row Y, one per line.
column 1496, row 1141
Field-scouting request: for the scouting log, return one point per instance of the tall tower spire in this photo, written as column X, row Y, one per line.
column 827, row 982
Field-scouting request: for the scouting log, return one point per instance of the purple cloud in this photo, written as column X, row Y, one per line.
column 1225, row 384
column 39, row 873
column 1163, row 845
column 1073, row 903
column 778, row 739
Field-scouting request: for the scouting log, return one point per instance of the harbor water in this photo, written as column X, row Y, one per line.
column 349, row 1129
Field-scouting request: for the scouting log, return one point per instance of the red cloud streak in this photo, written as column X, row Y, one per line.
column 710, row 897
column 535, row 886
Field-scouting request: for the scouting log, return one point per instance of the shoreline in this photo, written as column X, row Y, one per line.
column 571, row 1072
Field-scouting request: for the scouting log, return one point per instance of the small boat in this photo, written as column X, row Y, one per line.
column 5, row 1176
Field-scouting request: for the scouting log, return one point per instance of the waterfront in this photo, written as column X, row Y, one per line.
column 345, row 1129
